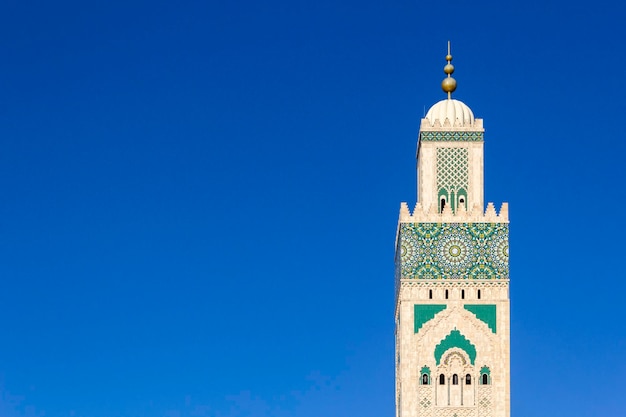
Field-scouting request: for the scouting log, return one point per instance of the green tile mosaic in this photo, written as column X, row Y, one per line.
column 453, row 250
column 452, row 136
column 455, row 340
column 485, row 313
column 424, row 313
column 452, row 175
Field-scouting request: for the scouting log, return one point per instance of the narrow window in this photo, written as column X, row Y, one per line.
column 442, row 380
column 463, row 294
column 430, row 294
column 468, row 379
column 443, row 204
column 455, row 379
column 446, row 294
column 485, row 379
column 479, row 294
column 425, row 379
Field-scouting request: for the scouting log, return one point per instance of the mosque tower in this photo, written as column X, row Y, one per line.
column 452, row 276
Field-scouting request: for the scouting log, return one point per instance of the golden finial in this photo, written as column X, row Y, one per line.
column 448, row 84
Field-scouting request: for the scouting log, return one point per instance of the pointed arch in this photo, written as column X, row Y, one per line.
column 443, row 197
column 461, row 198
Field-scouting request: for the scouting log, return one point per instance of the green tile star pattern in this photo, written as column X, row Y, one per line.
column 454, row 250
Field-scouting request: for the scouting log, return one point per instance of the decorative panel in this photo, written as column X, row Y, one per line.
column 455, row 339
column 452, row 171
column 485, row 313
column 485, row 401
column 448, row 136
column 453, row 250
column 456, row 412
column 425, row 398
column 425, row 312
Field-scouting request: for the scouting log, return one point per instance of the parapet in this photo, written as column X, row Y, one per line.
column 475, row 215
column 447, row 125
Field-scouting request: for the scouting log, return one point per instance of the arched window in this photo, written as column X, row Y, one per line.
column 468, row 379
column 485, row 378
column 455, row 379
column 442, row 379
column 443, row 204
column 425, row 380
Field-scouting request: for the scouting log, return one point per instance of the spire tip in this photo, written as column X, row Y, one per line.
column 448, row 84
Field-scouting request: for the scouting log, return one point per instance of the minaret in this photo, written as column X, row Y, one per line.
column 452, row 276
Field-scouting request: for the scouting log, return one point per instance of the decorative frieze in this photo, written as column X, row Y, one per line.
column 452, row 136
column 433, row 251
column 429, row 214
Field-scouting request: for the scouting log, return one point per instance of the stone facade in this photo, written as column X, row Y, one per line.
column 452, row 281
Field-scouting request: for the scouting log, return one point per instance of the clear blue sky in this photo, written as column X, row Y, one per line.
column 199, row 199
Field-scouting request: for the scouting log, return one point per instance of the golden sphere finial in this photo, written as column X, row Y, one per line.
column 448, row 85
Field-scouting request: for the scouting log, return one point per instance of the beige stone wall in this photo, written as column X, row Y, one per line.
column 417, row 350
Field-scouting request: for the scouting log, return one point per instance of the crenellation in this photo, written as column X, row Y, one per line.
column 504, row 210
column 405, row 214
column 445, row 126
column 490, row 213
column 475, row 215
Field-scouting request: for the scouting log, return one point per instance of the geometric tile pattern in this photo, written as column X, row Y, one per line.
column 425, row 396
column 456, row 412
column 434, row 251
column 452, row 136
column 484, row 401
column 452, row 172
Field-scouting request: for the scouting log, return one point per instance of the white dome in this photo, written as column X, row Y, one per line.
column 455, row 111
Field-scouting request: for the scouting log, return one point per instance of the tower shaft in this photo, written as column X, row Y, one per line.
column 452, row 277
